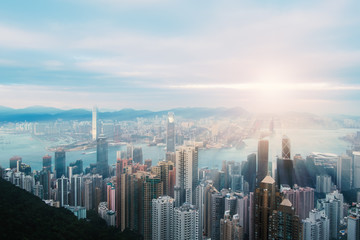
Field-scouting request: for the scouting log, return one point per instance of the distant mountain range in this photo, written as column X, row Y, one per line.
column 39, row 113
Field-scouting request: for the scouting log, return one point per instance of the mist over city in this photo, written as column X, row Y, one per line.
column 166, row 120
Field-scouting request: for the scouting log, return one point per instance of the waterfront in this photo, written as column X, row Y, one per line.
column 303, row 141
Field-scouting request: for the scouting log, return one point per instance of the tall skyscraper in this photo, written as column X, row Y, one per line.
column 47, row 163
column 63, row 191
column 217, row 212
column 170, row 133
column 186, row 222
column 334, row 209
column 102, row 165
column 285, row 172
column 138, row 155
column 76, row 191
column 263, row 159
column 284, row 224
column 15, row 162
column 152, row 189
column 316, row 226
column 60, row 163
column 162, row 217
column 353, row 229
column 356, row 170
column 45, row 182
column 230, row 228
column 249, row 172
column 286, row 148
column 187, row 173
column 344, row 173
column 302, row 200
column 265, row 204
column 94, row 129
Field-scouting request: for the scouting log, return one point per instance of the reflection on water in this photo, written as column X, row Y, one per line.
column 303, row 141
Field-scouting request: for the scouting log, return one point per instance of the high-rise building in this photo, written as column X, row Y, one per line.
column 170, row 133
column 284, row 224
column 165, row 168
column 138, row 155
column 249, row 172
column 186, row 222
column 302, row 199
column 162, row 218
column 286, row 148
column 263, row 159
column 208, row 209
column 243, row 211
column 344, row 173
column 94, row 129
column 152, row 189
column 316, row 226
column 230, row 228
column 63, row 190
column 76, row 190
column 356, row 170
column 77, row 167
column 333, row 207
column 187, row 173
column 353, row 229
column 217, row 212
column 323, row 184
column 285, row 172
column 47, row 163
column 102, row 165
column 15, row 162
column 45, row 182
column 60, row 163
column 265, row 204
column 88, row 194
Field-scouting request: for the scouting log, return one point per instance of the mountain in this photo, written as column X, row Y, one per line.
column 25, row 216
column 38, row 113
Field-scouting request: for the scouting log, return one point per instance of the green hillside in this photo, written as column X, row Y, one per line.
column 25, row 216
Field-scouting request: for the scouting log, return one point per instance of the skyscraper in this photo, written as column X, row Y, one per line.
column 60, row 165
column 76, row 191
column 47, row 163
column 15, row 162
column 186, row 222
column 344, row 173
column 230, row 228
column 63, row 191
column 138, row 155
column 316, row 226
column 162, row 217
column 263, row 159
column 152, row 189
column 249, row 172
column 285, row 172
column 187, row 173
column 284, row 224
column 286, row 148
column 94, row 129
column 265, row 204
column 102, row 165
column 170, row 133
column 302, row 200
column 356, row 170
column 353, row 229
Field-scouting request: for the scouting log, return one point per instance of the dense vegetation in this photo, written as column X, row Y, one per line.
column 25, row 216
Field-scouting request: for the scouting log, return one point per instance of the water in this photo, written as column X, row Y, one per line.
column 303, row 141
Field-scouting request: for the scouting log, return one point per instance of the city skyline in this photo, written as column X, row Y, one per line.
column 159, row 54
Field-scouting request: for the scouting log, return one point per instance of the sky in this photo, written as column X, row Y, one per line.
column 158, row 54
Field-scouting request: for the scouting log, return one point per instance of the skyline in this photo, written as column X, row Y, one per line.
column 299, row 56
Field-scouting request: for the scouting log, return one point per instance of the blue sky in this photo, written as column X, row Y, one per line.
column 159, row 54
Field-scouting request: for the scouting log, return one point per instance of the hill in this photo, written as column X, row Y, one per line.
column 25, row 216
